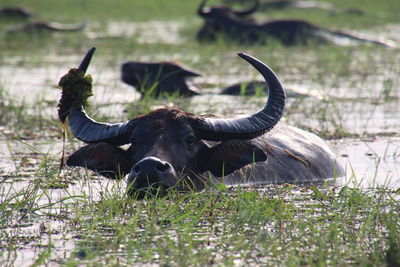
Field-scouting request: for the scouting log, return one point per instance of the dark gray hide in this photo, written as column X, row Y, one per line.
column 225, row 22
column 172, row 148
column 255, row 88
column 169, row 78
column 15, row 12
column 158, row 78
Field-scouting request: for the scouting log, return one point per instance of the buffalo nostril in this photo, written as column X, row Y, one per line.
column 162, row 167
column 137, row 169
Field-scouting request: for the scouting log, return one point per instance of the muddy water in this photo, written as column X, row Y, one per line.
column 370, row 163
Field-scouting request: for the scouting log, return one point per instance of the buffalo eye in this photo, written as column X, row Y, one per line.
column 190, row 141
column 133, row 142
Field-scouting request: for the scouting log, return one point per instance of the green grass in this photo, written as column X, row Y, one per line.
column 274, row 225
column 73, row 217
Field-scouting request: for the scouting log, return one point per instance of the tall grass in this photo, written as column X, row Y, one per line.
column 278, row 225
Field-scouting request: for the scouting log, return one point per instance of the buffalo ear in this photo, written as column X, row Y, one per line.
column 105, row 159
column 189, row 73
column 229, row 156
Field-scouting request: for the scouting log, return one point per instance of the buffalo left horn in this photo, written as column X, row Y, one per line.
column 90, row 131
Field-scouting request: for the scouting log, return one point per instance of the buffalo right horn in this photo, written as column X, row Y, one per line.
column 248, row 11
column 201, row 11
column 250, row 127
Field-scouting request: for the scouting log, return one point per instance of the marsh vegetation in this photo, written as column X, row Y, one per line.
column 73, row 217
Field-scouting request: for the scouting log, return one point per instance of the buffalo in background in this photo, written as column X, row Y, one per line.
column 159, row 78
column 172, row 148
column 224, row 21
column 15, row 12
column 42, row 26
column 284, row 4
column 168, row 78
column 35, row 26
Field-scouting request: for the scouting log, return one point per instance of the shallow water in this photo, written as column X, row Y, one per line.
column 47, row 223
column 363, row 113
column 151, row 32
column 370, row 163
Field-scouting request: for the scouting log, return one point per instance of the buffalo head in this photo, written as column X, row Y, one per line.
column 229, row 23
column 169, row 147
column 218, row 19
column 15, row 12
column 158, row 78
column 42, row 26
column 204, row 12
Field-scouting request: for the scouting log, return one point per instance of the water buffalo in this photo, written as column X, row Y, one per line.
column 158, row 78
column 16, row 12
column 282, row 4
column 225, row 21
column 41, row 26
column 172, row 148
column 170, row 78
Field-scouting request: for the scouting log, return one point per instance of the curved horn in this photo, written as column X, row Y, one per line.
column 249, row 10
column 90, row 131
column 65, row 27
column 250, row 127
column 200, row 10
column 85, row 128
column 86, row 60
